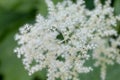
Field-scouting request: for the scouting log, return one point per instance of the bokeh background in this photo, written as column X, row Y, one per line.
column 16, row 13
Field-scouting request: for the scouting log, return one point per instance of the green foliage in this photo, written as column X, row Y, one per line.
column 18, row 5
column 117, row 7
column 15, row 13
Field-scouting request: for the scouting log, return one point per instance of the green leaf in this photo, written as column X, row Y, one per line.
column 23, row 6
column 117, row 7
column 10, row 21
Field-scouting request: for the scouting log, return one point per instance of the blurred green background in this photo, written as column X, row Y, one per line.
column 14, row 14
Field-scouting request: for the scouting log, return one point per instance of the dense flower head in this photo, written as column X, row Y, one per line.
column 61, row 41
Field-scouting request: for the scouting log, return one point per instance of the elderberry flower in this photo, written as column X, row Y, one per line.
column 60, row 41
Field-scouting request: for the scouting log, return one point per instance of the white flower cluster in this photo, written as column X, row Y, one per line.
column 60, row 42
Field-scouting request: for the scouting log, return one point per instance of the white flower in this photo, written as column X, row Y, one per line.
column 60, row 42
